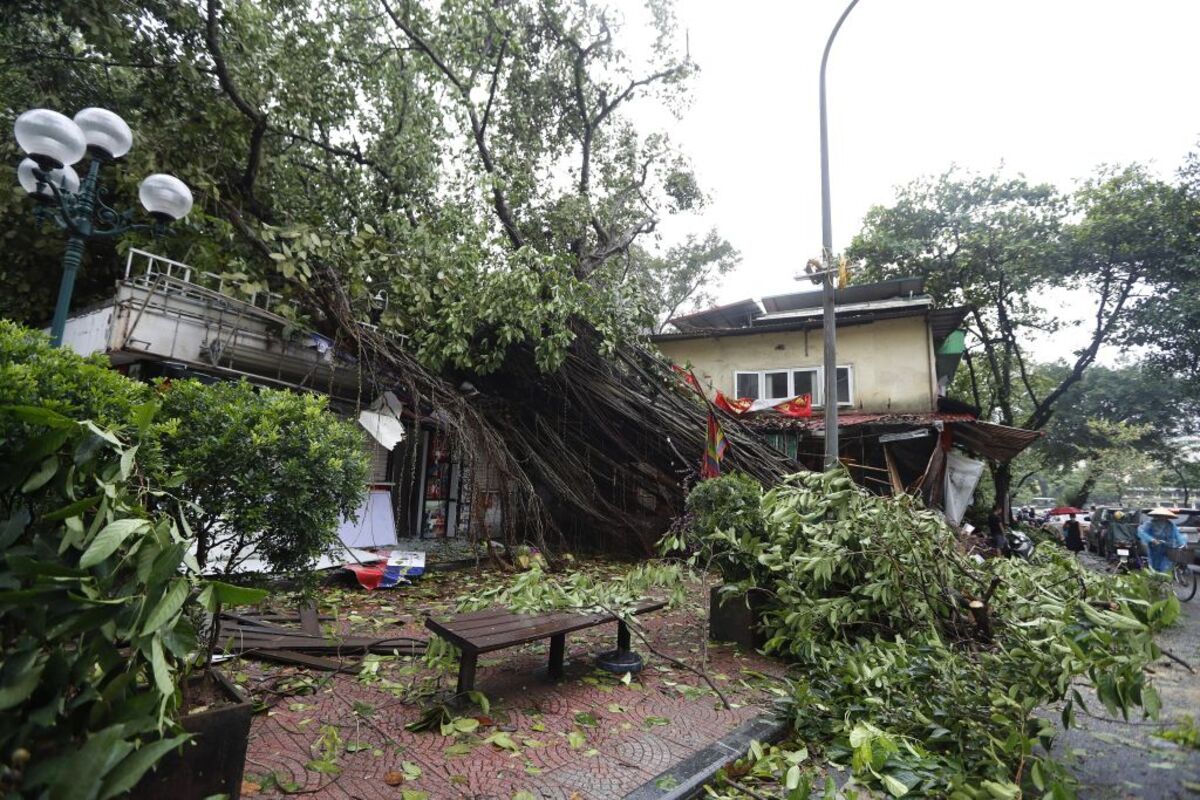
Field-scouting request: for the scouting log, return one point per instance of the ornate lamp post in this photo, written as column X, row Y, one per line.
column 55, row 142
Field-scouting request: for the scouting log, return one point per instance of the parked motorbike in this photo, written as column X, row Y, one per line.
column 1019, row 545
column 1130, row 556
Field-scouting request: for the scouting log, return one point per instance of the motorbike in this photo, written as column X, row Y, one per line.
column 1130, row 556
column 1019, row 545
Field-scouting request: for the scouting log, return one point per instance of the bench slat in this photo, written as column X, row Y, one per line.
column 507, row 629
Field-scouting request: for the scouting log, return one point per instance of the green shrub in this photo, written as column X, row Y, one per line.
column 91, row 622
column 266, row 470
column 33, row 373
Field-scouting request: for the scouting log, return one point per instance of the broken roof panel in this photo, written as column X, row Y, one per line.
column 863, row 293
column 732, row 315
column 997, row 442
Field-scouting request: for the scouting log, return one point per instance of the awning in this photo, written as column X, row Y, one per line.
column 997, row 442
column 774, row 422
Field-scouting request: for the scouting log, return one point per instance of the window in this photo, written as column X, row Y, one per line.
column 777, row 385
column 746, row 384
column 781, row 384
column 843, row 386
column 804, row 381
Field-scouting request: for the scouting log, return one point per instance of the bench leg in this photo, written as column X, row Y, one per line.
column 623, row 640
column 466, row 672
column 558, row 648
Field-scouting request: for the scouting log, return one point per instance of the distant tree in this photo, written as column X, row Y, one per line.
column 997, row 245
column 683, row 277
column 266, row 471
column 1167, row 320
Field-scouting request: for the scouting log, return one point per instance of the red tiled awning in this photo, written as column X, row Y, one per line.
column 774, row 422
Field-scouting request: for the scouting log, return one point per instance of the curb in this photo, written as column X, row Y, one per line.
column 698, row 769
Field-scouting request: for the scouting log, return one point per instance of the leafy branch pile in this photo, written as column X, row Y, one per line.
column 918, row 667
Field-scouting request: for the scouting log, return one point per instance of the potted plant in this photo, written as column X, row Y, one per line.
column 723, row 530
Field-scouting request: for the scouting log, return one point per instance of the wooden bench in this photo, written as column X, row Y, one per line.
column 499, row 628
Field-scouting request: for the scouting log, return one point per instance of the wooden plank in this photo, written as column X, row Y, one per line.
column 303, row 660
column 309, row 622
column 893, row 471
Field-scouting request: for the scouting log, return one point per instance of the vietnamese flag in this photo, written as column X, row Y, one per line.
column 737, row 407
column 796, row 407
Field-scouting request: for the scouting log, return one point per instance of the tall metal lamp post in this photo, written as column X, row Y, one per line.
column 53, row 143
column 829, row 318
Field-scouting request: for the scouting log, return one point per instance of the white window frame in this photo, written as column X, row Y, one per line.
column 818, row 382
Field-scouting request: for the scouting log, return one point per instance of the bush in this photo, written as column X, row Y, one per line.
column 91, row 599
column 33, row 373
column 265, row 470
column 920, row 668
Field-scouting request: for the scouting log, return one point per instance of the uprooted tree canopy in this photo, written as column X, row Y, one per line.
column 465, row 174
column 919, row 667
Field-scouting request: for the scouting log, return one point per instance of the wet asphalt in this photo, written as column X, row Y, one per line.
column 1113, row 758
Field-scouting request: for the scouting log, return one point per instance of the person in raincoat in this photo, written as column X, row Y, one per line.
column 1159, row 532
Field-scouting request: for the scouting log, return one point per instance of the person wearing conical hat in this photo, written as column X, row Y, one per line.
column 1159, row 532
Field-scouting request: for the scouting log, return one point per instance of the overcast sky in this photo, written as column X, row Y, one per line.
column 1048, row 88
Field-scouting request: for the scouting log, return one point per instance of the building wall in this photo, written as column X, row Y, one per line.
column 891, row 360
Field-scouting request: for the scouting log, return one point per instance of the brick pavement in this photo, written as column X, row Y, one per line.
column 634, row 732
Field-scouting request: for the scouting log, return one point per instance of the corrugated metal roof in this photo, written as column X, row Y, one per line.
column 997, row 442
column 731, row 315
column 863, row 293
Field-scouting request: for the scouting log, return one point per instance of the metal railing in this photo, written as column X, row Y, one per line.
column 140, row 263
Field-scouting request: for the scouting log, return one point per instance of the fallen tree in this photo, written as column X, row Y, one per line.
column 597, row 453
column 920, row 668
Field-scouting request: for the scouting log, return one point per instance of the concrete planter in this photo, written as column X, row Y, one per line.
column 738, row 619
column 211, row 763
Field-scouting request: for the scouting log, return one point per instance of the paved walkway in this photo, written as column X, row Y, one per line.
column 1113, row 758
column 586, row 736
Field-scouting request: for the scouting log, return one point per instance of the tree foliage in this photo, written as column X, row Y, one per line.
column 474, row 163
column 266, row 471
column 918, row 667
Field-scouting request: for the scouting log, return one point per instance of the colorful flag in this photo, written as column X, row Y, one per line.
column 688, row 377
column 715, row 446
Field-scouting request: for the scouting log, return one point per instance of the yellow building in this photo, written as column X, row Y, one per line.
column 888, row 339
column 896, row 355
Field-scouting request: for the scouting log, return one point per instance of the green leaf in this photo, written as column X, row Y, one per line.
column 41, row 476
column 162, row 673
column 576, row 739
column 217, row 593
column 172, row 600
column 586, row 718
column 131, row 768
column 109, row 539
column 74, row 509
column 895, row 787
column 25, row 681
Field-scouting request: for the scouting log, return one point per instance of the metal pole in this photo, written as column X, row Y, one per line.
column 81, row 228
column 829, row 318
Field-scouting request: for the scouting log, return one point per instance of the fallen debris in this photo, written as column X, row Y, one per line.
column 259, row 636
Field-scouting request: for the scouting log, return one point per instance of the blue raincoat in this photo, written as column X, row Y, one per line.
column 1159, row 534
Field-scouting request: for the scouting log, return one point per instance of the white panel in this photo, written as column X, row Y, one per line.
column 88, row 333
column 376, row 524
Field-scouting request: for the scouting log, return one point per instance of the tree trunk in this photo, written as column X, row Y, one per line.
column 1002, row 478
column 1080, row 498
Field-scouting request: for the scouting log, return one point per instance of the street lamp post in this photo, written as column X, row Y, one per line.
column 829, row 320
column 53, row 143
